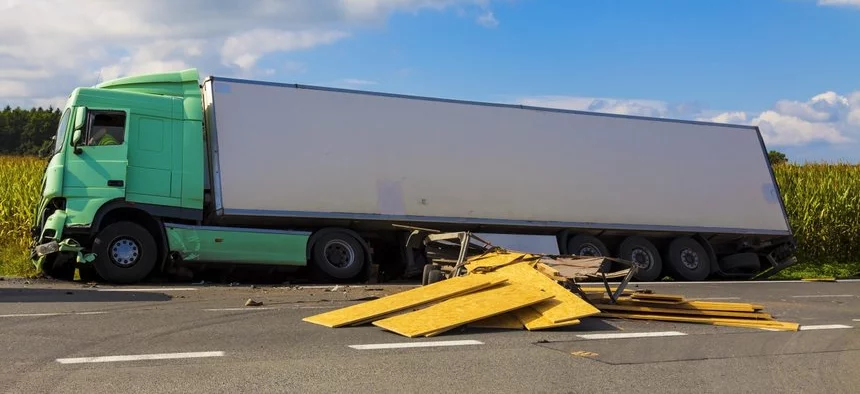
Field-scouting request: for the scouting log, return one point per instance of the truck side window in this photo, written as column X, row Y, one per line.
column 105, row 128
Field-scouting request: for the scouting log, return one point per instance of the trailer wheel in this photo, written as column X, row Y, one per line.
column 644, row 255
column 687, row 260
column 338, row 255
column 125, row 252
column 586, row 245
column 434, row 276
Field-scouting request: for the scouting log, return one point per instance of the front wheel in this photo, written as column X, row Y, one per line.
column 125, row 253
column 338, row 255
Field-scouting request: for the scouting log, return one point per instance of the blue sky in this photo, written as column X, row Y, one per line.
column 790, row 66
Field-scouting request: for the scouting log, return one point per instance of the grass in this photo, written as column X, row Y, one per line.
column 822, row 200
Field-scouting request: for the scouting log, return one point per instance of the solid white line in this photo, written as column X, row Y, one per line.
column 32, row 314
column 248, row 308
column 632, row 335
column 415, row 344
column 855, row 319
column 719, row 298
column 823, row 296
column 162, row 356
column 52, row 314
column 152, row 289
column 824, row 327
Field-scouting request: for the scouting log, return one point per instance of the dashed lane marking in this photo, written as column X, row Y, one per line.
column 624, row 335
column 824, row 296
column 403, row 345
column 138, row 357
column 824, row 327
column 718, row 298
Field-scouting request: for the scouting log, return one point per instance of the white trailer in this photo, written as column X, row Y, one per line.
column 681, row 198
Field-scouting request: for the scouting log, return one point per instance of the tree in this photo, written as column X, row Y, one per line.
column 777, row 157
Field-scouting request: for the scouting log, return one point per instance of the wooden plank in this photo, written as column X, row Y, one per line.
column 564, row 306
column 681, row 311
column 776, row 325
column 465, row 309
column 507, row 321
column 534, row 320
column 367, row 311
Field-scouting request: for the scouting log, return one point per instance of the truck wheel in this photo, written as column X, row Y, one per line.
column 125, row 253
column 644, row 255
column 687, row 260
column 586, row 245
column 338, row 255
column 743, row 262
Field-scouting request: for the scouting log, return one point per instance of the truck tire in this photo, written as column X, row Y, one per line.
column 644, row 255
column 687, row 260
column 586, row 245
column 125, row 253
column 338, row 255
column 743, row 262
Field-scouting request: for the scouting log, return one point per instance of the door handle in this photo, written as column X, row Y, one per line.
column 115, row 183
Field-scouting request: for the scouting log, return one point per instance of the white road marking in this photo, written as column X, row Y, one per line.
column 151, row 289
column 619, row 335
column 52, row 314
column 823, row 296
column 249, row 308
column 855, row 319
column 718, row 298
column 415, row 344
column 824, row 327
column 162, row 356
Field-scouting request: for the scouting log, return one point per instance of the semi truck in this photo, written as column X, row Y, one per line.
column 151, row 172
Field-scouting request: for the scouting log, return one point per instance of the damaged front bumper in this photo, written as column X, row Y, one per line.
column 49, row 241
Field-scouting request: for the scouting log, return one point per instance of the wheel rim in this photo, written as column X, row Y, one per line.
column 339, row 253
column 642, row 258
column 124, row 252
column 589, row 250
column 689, row 258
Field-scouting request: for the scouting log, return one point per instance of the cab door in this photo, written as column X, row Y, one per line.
column 97, row 162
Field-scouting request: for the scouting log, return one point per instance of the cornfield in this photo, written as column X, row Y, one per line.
column 822, row 200
column 20, row 179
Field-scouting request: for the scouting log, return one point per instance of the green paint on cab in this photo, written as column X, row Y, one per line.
column 232, row 245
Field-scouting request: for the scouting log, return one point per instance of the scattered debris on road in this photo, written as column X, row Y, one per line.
column 514, row 290
column 251, row 302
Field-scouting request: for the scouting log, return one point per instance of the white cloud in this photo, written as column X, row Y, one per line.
column 487, row 19
column 359, row 82
column 51, row 46
column 828, row 117
column 837, row 3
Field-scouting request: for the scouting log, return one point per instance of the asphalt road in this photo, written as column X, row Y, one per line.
column 61, row 337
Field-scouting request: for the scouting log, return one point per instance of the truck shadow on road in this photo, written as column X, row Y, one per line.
column 9, row 295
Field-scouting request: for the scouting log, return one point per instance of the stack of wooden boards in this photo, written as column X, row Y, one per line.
column 512, row 290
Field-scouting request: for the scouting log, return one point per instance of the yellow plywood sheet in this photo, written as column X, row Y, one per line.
column 533, row 320
column 370, row 310
column 496, row 260
column 681, row 311
column 749, row 323
column 465, row 309
column 507, row 321
column 564, row 306
column 669, row 298
column 693, row 305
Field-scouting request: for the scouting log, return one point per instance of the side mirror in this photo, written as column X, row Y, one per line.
column 80, row 118
column 76, row 139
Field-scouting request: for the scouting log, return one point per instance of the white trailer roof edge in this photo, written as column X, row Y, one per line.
column 475, row 102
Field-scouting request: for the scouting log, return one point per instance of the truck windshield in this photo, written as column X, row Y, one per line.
column 61, row 130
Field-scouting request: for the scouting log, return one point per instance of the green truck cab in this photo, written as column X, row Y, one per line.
column 124, row 193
